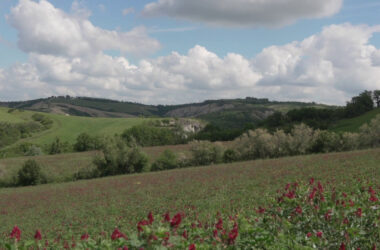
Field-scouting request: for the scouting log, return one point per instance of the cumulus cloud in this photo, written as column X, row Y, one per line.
column 244, row 13
column 44, row 29
column 328, row 67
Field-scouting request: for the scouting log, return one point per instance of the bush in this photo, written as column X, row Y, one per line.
column 30, row 174
column 230, row 155
column 85, row 142
column 206, row 153
column 167, row 160
column 119, row 158
column 370, row 133
column 58, row 147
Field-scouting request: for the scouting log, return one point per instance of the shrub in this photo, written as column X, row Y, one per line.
column 302, row 139
column 119, row 158
column 230, row 155
column 167, row 160
column 206, row 153
column 58, row 147
column 370, row 133
column 30, row 174
column 85, row 142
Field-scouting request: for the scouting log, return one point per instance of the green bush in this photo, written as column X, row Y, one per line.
column 206, row 153
column 370, row 133
column 167, row 160
column 230, row 155
column 30, row 174
column 85, row 142
column 119, row 158
column 58, row 147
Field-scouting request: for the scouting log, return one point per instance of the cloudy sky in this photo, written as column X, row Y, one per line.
column 180, row 51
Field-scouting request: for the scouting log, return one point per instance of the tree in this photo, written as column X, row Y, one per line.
column 359, row 104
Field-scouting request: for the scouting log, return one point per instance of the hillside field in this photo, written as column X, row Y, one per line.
column 354, row 124
column 102, row 204
column 67, row 128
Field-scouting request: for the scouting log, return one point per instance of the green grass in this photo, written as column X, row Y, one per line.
column 67, row 128
column 354, row 124
column 103, row 204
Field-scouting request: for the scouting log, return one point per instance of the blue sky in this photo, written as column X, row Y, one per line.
column 181, row 35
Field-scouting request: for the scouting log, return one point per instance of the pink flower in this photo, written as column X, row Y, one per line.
column 184, row 235
column 233, row 235
column 311, row 182
column 167, row 217
column 261, row 210
column 320, row 187
column 141, row 224
column 319, row 234
column 16, row 233
column 373, row 198
column 309, row 234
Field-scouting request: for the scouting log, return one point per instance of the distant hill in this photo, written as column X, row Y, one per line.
column 226, row 112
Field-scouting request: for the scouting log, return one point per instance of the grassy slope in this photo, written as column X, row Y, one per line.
column 353, row 124
column 67, row 128
column 106, row 203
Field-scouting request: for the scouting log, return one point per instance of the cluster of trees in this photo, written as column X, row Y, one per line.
column 318, row 118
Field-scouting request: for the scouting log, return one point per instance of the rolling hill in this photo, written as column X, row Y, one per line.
column 354, row 124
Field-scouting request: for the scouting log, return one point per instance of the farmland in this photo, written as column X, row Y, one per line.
column 103, row 204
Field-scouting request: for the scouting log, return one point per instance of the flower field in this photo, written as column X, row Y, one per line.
column 326, row 201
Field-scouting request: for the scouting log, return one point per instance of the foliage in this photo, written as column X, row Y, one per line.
column 30, row 174
column 9, row 133
column 359, row 104
column 149, row 135
column 58, row 147
column 206, row 153
column 230, row 155
column 46, row 121
column 370, row 133
column 167, row 160
column 85, row 142
column 119, row 158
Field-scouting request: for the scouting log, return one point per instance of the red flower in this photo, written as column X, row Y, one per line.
column 345, row 221
column 85, row 236
column 167, row 217
column 299, row 210
column 328, row 215
column 359, row 212
column 219, row 225
column 176, row 220
column 342, row 246
column 215, row 233
column 150, row 218
column 320, row 187
column 311, row 182
column 371, row 191
column 309, row 234
column 233, row 235
column 117, row 234
column 373, row 198
column 319, row 234
column 312, row 194
column 261, row 210
column 37, row 235
column 16, row 233
column 141, row 224
column 184, row 235
column 192, row 247
column 291, row 194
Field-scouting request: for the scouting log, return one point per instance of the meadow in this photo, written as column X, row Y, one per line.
column 66, row 211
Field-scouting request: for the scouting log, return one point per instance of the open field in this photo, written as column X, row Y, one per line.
column 67, row 128
column 103, row 204
column 62, row 167
column 353, row 124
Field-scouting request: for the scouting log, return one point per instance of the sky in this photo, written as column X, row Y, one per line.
column 182, row 51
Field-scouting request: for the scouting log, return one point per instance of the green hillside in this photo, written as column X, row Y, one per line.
column 67, row 128
column 353, row 124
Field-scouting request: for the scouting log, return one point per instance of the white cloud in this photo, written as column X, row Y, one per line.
column 328, row 67
column 44, row 29
column 128, row 11
column 243, row 12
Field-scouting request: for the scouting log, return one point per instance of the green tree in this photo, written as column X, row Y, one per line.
column 30, row 174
